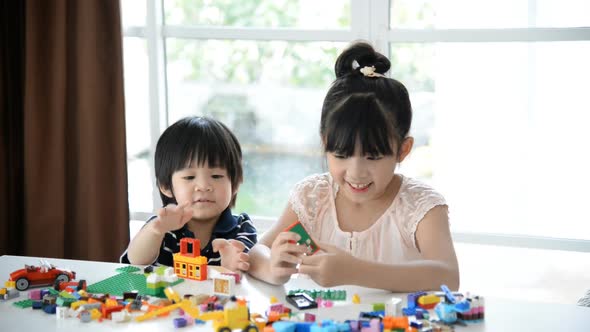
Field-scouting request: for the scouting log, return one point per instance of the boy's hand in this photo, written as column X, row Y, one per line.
column 172, row 217
column 232, row 254
column 285, row 254
column 329, row 268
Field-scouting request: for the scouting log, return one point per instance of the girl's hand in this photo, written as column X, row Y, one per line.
column 172, row 217
column 329, row 268
column 232, row 254
column 285, row 254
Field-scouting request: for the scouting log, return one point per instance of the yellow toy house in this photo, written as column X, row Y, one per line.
column 188, row 263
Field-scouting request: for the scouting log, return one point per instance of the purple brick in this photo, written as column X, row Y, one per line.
column 179, row 322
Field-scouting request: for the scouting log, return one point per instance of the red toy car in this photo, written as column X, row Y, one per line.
column 43, row 275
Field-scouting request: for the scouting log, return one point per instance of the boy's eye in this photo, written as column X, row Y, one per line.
column 217, row 176
column 189, row 177
column 339, row 156
column 374, row 157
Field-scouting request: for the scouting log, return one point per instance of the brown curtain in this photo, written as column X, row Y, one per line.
column 73, row 157
column 12, row 30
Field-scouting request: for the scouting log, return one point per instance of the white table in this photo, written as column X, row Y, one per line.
column 501, row 315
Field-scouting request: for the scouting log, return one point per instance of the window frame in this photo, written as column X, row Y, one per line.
column 370, row 21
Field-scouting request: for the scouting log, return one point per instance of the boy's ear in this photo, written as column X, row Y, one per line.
column 405, row 148
column 166, row 191
column 235, row 190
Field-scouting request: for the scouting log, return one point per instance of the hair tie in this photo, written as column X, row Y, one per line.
column 370, row 72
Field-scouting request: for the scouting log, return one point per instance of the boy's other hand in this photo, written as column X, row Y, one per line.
column 232, row 254
column 172, row 217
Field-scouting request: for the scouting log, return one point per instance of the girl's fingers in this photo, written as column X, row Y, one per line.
column 284, row 271
column 308, row 269
column 287, row 237
column 297, row 248
column 290, row 253
column 311, row 260
column 288, row 258
column 292, row 248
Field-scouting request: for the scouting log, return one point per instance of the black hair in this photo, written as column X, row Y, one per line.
column 197, row 139
column 375, row 110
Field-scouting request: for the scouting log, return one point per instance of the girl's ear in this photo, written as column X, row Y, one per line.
column 166, row 191
column 405, row 148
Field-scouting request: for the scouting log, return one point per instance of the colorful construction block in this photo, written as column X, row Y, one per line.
column 305, row 239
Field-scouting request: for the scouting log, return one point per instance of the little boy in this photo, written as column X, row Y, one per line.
column 198, row 165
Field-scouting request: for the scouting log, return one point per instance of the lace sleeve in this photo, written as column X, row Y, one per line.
column 307, row 197
column 419, row 198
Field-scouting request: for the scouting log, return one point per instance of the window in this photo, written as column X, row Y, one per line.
column 485, row 14
column 268, row 92
column 498, row 90
column 137, row 117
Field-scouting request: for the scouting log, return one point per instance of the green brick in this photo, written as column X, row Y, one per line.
column 378, row 306
column 24, row 304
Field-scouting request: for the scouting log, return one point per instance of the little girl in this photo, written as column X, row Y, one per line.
column 376, row 228
column 198, row 171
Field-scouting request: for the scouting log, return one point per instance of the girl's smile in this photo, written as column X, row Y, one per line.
column 359, row 188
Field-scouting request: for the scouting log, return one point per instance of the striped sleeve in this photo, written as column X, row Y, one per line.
column 246, row 231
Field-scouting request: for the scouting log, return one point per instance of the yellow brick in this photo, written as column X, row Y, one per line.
column 77, row 304
column 95, row 314
column 172, row 295
column 111, row 303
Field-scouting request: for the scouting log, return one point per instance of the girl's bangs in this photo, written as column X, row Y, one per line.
column 367, row 122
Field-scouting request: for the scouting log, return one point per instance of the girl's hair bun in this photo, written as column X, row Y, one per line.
column 365, row 55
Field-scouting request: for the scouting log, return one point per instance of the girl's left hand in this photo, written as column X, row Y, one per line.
column 232, row 254
column 329, row 268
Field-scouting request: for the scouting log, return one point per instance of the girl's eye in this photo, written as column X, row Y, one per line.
column 339, row 156
column 189, row 177
column 217, row 176
column 374, row 157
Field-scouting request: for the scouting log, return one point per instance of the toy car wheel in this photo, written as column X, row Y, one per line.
column 62, row 278
column 22, row 284
column 224, row 329
column 250, row 328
